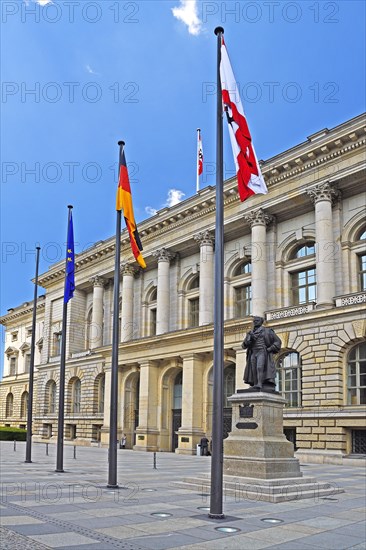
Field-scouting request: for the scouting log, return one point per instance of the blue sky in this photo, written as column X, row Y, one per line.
column 145, row 72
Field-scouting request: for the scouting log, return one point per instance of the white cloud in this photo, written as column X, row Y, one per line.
column 42, row 3
column 174, row 197
column 90, row 70
column 187, row 12
column 151, row 211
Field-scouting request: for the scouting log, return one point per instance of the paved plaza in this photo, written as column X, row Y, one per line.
column 42, row 509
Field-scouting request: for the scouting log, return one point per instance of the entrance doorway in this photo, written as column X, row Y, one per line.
column 177, row 409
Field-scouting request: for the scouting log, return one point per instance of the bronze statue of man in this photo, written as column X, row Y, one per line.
column 260, row 370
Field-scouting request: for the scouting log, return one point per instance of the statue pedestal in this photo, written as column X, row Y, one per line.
column 259, row 462
column 256, row 446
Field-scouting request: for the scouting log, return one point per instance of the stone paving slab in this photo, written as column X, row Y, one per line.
column 42, row 509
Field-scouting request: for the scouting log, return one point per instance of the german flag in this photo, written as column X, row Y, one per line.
column 124, row 203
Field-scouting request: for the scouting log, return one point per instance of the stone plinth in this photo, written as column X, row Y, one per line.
column 256, row 446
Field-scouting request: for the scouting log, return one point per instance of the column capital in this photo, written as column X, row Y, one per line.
column 128, row 269
column 259, row 217
column 204, row 237
column 323, row 192
column 97, row 280
column 163, row 255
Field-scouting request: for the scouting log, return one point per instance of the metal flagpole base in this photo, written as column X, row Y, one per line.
column 60, row 471
column 216, row 516
column 112, row 486
column 28, row 461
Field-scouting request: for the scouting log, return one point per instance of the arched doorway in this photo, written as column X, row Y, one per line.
column 131, row 408
column 228, row 390
column 177, row 409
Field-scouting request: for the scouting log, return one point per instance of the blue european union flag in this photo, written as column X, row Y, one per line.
column 70, row 263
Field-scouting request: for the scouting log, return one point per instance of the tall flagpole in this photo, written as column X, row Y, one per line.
column 28, row 448
column 61, row 401
column 112, row 467
column 218, row 366
column 198, row 161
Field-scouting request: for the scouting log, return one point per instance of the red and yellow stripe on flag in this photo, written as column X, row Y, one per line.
column 124, row 203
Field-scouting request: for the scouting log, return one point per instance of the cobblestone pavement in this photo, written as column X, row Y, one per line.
column 44, row 509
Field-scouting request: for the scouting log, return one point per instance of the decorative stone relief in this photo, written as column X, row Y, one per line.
column 128, row 269
column 259, row 217
column 323, row 192
column 163, row 255
column 204, row 237
column 98, row 281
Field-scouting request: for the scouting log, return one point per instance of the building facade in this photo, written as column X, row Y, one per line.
column 295, row 256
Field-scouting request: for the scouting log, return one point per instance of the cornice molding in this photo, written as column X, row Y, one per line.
column 5, row 319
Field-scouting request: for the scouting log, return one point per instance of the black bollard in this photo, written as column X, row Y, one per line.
column 75, row 451
column 154, row 464
column 46, row 449
column 15, row 445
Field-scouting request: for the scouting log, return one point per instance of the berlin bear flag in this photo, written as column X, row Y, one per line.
column 250, row 179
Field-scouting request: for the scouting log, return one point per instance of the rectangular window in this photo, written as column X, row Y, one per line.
column 27, row 362
column 194, row 307
column 152, row 322
column 13, row 366
column 359, row 442
column 14, row 336
column 29, row 331
column 303, row 286
column 362, row 272
column 243, row 301
column 57, row 343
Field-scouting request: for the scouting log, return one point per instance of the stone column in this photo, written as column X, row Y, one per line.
column 258, row 221
column 191, row 430
column 96, row 328
column 162, row 309
column 322, row 195
column 128, row 272
column 206, row 242
column 147, row 431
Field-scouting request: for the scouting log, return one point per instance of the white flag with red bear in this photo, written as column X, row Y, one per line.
column 250, row 179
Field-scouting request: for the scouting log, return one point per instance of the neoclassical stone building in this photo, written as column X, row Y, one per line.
column 295, row 256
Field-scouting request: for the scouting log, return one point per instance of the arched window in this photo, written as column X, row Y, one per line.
column 193, row 302
column 356, row 375
column 229, row 384
column 288, row 379
column 303, row 280
column 9, row 405
column 52, row 397
column 88, row 329
column 242, row 289
column 177, row 393
column 152, row 311
column 24, row 404
column 76, row 396
column 101, row 391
